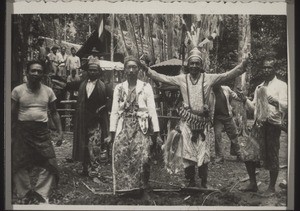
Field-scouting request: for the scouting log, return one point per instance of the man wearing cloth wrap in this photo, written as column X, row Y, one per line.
column 31, row 144
column 197, row 112
column 270, row 107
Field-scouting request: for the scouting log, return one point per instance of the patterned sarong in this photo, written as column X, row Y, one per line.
column 131, row 150
column 263, row 145
column 96, row 149
column 32, row 146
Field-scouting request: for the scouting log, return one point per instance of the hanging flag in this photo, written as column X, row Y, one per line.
column 101, row 26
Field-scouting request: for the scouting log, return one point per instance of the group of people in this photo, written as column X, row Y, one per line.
column 133, row 125
column 57, row 61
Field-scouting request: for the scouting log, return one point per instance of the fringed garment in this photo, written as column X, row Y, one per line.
column 195, row 126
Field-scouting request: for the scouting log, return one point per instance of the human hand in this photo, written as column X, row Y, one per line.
column 59, row 140
column 110, row 138
column 144, row 67
column 273, row 101
column 247, row 58
column 241, row 96
column 159, row 141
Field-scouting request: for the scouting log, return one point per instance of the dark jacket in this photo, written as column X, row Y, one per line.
column 86, row 114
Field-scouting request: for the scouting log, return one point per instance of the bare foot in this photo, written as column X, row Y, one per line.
column 269, row 192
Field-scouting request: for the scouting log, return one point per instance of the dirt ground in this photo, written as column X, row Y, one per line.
column 75, row 189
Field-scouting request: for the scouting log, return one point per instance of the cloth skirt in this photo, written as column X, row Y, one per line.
column 131, row 151
column 32, row 146
column 262, row 146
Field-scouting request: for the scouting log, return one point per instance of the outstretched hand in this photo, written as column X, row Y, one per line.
column 247, row 58
column 59, row 140
column 144, row 67
column 241, row 96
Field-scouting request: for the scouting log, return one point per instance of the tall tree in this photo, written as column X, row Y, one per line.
column 170, row 37
column 242, row 82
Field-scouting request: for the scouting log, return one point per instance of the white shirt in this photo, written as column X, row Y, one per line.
column 73, row 62
column 90, row 87
column 278, row 90
column 33, row 106
column 145, row 101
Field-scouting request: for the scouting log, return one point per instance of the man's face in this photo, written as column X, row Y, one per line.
column 73, row 52
column 93, row 73
column 131, row 70
column 195, row 66
column 268, row 70
column 35, row 73
column 63, row 50
column 54, row 50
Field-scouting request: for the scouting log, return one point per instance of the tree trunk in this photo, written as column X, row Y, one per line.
column 133, row 35
column 139, row 28
column 123, row 37
column 242, row 82
column 112, row 38
column 170, row 28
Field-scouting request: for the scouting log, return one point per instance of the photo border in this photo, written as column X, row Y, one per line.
column 15, row 7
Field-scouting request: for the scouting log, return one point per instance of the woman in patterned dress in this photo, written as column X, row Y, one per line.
column 132, row 109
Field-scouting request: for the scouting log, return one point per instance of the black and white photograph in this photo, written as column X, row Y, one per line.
column 138, row 109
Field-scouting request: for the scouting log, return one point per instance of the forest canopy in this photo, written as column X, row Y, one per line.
column 161, row 37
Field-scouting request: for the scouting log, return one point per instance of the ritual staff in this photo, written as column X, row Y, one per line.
column 197, row 112
column 132, row 109
column 270, row 107
column 31, row 143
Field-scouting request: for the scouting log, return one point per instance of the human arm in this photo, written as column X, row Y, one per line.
column 172, row 80
column 153, row 114
column 56, row 119
column 68, row 64
column 152, row 108
column 14, row 112
column 231, row 74
column 114, row 116
column 79, row 64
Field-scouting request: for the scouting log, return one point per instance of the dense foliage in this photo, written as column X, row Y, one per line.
column 160, row 36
